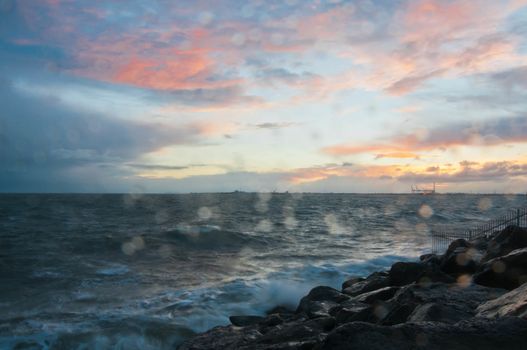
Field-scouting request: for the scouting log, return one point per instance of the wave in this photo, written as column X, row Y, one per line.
column 170, row 317
column 212, row 237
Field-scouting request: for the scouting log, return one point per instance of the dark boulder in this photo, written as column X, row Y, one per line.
column 509, row 239
column 371, row 283
column 245, row 320
column 272, row 320
column 439, row 312
column 392, row 313
column 403, row 273
column 461, row 257
column 513, row 303
column 229, row 337
column 312, row 330
column 354, row 311
column 430, row 259
column 505, row 333
column 509, row 271
column 379, row 294
column 457, row 302
column 281, row 310
column 319, row 301
column 351, row 281
column 324, row 293
column 434, row 274
column 480, row 243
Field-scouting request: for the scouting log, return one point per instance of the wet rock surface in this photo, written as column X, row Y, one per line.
column 472, row 296
column 509, row 271
column 513, row 303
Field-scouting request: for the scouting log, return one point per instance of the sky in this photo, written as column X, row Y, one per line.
column 290, row 95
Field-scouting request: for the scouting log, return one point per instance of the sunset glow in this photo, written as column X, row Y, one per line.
column 326, row 95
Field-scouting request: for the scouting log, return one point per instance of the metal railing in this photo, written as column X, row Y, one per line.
column 442, row 239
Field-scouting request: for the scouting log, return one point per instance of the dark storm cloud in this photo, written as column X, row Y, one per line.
column 43, row 140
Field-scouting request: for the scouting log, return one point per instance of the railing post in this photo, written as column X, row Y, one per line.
column 518, row 217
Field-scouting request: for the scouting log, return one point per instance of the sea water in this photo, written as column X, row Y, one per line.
column 137, row 271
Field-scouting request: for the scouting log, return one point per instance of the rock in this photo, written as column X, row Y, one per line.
column 438, row 312
column 298, row 334
column 298, row 331
column 324, row 293
column 379, row 294
column 272, row 320
column 281, row 310
column 352, row 281
column 513, row 303
column 509, row 271
column 461, row 257
column 351, row 310
column 320, row 300
column 434, row 274
column 480, row 243
column 371, row 283
column 245, row 320
column 403, row 273
column 393, row 313
column 505, row 333
column 457, row 301
column 430, row 259
column 509, row 239
column 229, row 337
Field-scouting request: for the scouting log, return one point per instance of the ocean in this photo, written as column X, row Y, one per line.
column 144, row 271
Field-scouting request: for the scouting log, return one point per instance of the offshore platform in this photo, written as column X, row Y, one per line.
column 417, row 190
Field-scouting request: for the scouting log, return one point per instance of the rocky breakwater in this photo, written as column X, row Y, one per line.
column 474, row 296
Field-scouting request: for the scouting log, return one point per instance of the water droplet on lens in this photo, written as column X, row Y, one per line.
column 498, row 267
column 484, row 204
column 204, row 213
column 426, row 211
column 290, row 222
column 264, row 226
column 128, row 248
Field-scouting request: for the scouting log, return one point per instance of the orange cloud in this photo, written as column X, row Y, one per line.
column 401, row 155
column 306, row 175
column 462, row 172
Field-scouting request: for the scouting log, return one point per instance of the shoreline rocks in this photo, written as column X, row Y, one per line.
column 472, row 296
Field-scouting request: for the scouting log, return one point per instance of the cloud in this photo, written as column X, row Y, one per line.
column 391, row 46
column 400, row 155
column 486, row 172
column 511, row 78
column 157, row 166
column 271, row 74
column 43, row 140
column 486, row 133
column 270, row 125
column 408, row 84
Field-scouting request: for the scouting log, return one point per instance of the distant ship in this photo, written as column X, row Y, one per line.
column 417, row 190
